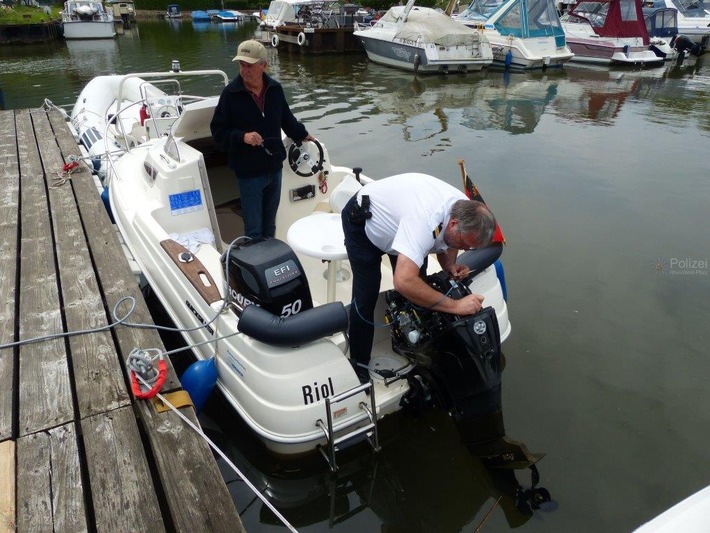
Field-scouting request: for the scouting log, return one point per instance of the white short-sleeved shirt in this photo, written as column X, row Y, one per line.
column 409, row 214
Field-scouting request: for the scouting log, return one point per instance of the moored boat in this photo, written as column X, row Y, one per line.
column 83, row 19
column 261, row 310
column 693, row 17
column 524, row 34
column 609, row 32
column 422, row 40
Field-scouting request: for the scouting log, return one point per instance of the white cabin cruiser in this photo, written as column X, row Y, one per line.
column 87, row 19
column 271, row 313
column 524, row 34
column 422, row 40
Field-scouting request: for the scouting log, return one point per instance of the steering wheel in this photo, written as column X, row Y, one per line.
column 300, row 158
column 166, row 111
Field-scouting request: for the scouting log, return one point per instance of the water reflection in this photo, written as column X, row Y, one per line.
column 205, row 26
column 424, row 480
column 99, row 55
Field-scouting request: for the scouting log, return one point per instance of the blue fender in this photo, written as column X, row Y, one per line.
column 501, row 278
column 199, row 380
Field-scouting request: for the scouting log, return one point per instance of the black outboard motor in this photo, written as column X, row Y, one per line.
column 457, row 358
column 266, row 272
column 684, row 44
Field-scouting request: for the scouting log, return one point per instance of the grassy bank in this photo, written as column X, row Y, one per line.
column 28, row 15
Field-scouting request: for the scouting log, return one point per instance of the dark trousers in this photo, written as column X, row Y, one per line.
column 365, row 261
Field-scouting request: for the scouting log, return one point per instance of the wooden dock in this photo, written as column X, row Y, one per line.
column 77, row 451
column 294, row 38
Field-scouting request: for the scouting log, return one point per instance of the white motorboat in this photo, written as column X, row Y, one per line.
column 268, row 313
column 85, row 19
column 282, row 12
column 421, row 39
column 691, row 515
column 524, row 34
column 609, row 32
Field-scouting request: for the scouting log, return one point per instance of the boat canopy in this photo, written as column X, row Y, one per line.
column 612, row 18
column 528, row 18
column 661, row 22
column 429, row 26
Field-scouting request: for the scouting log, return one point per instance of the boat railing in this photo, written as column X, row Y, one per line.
column 161, row 124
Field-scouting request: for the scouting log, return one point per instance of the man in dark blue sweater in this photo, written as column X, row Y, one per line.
column 247, row 124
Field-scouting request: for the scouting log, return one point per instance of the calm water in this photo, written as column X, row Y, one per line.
column 600, row 180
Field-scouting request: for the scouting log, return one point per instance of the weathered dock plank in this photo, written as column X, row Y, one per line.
column 7, row 486
column 122, row 488
column 49, row 484
column 9, row 220
column 44, row 387
column 114, row 274
column 98, row 376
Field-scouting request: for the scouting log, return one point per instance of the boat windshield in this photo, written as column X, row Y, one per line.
column 693, row 8
column 540, row 19
column 594, row 12
column 480, row 9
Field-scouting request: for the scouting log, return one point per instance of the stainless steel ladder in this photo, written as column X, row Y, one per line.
column 369, row 430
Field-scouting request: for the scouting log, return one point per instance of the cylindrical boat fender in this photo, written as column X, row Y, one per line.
column 301, row 39
column 500, row 273
column 199, row 380
column 274, row 40
column 508, row 58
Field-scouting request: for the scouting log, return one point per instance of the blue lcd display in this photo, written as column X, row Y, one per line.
column 185, row 202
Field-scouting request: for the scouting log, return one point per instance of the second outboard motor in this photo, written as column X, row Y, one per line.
column 266, row 272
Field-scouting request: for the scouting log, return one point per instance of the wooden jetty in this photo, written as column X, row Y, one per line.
column 77, row 451
column 296, row 38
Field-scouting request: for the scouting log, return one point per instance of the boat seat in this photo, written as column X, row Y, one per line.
column 137, row 135
column 340, row 196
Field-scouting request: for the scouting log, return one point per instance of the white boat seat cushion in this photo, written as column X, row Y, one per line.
column 343, row 192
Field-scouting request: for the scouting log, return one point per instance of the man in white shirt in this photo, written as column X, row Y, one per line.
column 408, row 216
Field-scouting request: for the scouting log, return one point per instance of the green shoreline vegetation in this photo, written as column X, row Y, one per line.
column 23, row 14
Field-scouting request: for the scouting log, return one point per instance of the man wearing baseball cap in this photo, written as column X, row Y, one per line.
column 247, row 124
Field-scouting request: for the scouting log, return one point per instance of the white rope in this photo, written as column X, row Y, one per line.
column 201, row 433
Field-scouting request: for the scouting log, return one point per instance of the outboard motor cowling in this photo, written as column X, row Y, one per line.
column 458, row 359
column 266, row 272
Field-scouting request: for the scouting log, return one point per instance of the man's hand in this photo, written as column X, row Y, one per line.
column 253, row 138
column 458, row 272
column 469, row 305
column 408, row 283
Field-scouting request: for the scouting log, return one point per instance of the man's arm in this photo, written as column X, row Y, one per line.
column 408, row 283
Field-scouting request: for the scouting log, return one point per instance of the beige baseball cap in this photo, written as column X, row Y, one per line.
column 250, row 52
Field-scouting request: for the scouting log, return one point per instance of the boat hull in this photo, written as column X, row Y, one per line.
column 608, row 53
column 89, row 30
column 521, row 58
column 404, row 56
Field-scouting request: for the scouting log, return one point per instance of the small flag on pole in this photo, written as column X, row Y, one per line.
column 473, row 194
